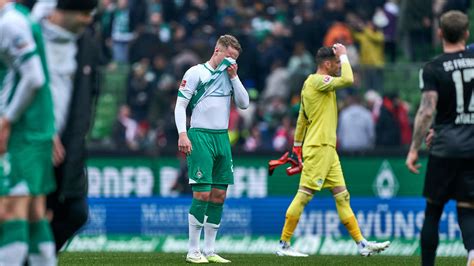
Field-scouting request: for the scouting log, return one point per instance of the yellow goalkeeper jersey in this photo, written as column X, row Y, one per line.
column 317, row 119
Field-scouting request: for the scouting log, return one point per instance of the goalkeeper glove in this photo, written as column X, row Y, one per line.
column 296, row 161
column 272, row 164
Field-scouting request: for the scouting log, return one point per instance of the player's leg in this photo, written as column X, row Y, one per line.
column 14, row 230
column 200, row 165
column 438, row 184
column 196, row 218
column 335, row 181
column 465, row 207
column 41, row 244
column 315, row 169
column 213, row 221
column 293, row 213
column 222, row 176
column 466, row 224
column 429, row 236
column 38, row 168
column 68, row 217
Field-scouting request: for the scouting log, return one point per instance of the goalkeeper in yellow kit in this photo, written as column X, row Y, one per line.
column 316, row 134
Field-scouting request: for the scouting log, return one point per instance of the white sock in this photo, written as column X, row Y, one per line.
column 46, row 256
column 470, row 257
column 195, row 228
column 210, row 233
column 13, row 254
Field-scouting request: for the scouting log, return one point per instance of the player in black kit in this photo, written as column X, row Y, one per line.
column 447, row 86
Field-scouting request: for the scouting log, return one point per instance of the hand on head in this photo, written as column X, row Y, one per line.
column 339, row 49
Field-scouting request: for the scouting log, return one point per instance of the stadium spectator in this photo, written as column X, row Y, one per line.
column 277, row 82
column 450, row 163
column 121, row 33
column 387, row 128
column 283, row 135
column 371, row 43
column 374, row 103
column 356, row 131
column 125, row 130
column 254, row 140
column 386, row 18
column 415, row 27
column 300, row 65
column 140, row 89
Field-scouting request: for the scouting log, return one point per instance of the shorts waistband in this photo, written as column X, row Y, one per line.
column 211, row 131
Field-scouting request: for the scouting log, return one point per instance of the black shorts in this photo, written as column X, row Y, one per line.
column 449, row 178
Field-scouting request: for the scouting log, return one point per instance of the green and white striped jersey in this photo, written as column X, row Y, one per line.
column 20, row 42
column 209, row 92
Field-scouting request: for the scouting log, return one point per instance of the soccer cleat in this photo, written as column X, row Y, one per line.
column 286, row 250
column 216, row 259
column 367, row 248
column 196, row 257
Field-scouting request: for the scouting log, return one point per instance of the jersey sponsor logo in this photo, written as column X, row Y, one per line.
column 327, row 79
column 183, row 84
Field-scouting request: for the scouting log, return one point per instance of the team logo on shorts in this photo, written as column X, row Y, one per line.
column 319, row 182
column 199, row 174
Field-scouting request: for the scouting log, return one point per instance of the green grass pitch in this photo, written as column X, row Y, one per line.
column 116, row 259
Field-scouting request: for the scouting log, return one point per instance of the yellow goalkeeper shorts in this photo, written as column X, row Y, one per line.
column 322, row 168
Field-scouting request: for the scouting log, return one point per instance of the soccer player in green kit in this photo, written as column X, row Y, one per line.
column 209, row 88
column 26, row 132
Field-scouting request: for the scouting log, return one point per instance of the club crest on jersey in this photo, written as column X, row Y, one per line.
column 19, row 42
column 327, row 79
column 183, row 84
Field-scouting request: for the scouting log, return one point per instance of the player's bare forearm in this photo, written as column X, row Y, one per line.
column 424, row 118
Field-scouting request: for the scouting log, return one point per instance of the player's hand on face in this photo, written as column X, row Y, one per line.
column 232, row 70
column 429, row 138
column 339, row 49
column 4, row 134
column 184, row 144
column 412, row 162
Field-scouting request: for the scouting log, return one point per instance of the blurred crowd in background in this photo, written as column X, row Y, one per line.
column 158, row 40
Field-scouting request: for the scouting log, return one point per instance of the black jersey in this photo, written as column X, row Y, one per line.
column 452, row 76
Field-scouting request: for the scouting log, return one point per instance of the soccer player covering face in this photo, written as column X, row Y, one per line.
column 316, row 134
column 26, row 134
column 447, row 86
column 208, row 88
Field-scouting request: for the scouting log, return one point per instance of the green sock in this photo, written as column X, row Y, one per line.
column 214, row 212
column 198, row 209
column 13, row 231
column 13, row 242
column 42, row 246
column 40, row 233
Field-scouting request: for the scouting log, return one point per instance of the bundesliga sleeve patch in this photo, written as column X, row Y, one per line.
column 183, row 84
column 327, row 79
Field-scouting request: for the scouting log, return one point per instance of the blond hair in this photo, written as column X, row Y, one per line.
column 229, row 41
